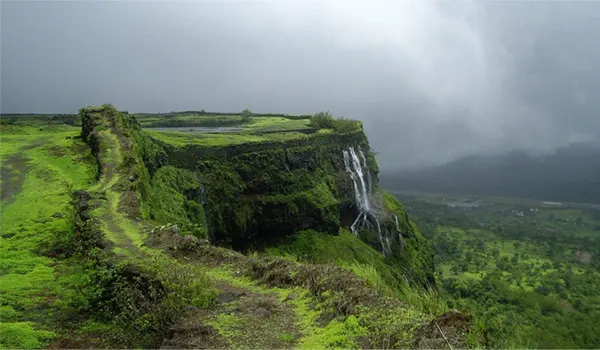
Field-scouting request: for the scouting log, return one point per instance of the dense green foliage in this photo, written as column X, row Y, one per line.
column 529, row 271
column 324, row 120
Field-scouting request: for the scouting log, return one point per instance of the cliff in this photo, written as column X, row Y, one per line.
column 312, row 198
column 254, row 195
column 129, row 245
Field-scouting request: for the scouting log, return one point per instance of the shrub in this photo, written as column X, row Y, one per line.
column 324, row 120
column 22, row 334
column 246, row 115
column 343, row 125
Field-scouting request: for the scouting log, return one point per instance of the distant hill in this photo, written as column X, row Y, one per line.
column 569, row 174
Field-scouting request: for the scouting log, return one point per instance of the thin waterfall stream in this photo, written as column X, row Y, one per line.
column 361, row 178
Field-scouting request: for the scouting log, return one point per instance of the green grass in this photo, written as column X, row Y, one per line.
column 260, row 129
column 29, row 281
column 222, row 139
column 344, row 250
column 19, row 335
column 38, row 290
column 276, row 124
column 287, row 337
column 336, row 334
column 370, row 275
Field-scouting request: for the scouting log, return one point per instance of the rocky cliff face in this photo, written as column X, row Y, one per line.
column 257, row 193
column 253, row 195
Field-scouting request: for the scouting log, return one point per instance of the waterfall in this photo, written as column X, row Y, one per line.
column 202, row 193
column 361, row 179
column 400, row 240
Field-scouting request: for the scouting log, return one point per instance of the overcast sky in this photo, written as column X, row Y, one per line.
column 431, row 80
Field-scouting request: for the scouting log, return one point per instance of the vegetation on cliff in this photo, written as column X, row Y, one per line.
column 116, row 253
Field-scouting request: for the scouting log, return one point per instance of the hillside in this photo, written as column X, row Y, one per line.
column 113, row 236
column 570, row 174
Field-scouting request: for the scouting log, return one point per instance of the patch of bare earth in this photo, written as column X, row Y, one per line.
column 448, row 331
column 583, row 257
column 12, row 173
column 242, row 319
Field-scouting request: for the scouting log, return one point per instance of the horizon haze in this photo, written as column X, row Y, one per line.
column 432, row 81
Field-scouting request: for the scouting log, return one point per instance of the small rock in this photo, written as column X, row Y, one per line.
column 188, row 242
column 204, row 242
column 291, row 296
column 224, row 298
column 261, row 312
column 57, row 215
column 190, row 328
column 190, row 308
column 131, row 178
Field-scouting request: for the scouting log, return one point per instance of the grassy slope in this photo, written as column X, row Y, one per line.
column 305, row 312
column 31, row 284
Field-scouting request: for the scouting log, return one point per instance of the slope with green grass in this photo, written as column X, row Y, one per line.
column 39, row 168
column 116, row 253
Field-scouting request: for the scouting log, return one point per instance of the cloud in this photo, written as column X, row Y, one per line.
column 431, row 80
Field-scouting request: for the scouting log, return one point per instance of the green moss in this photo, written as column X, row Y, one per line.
column 53, row 164
column 7, row 313
column 286, row 337
column 229, row 326
column 335, row 334
column 175, row 197
column 345, row 250
column 22, row 335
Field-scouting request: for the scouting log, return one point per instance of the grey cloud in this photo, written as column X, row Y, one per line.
column 431, row 80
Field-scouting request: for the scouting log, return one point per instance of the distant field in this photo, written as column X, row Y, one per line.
column 482, row 200
column 180, row 128
column 223, row 130
column 220, row 139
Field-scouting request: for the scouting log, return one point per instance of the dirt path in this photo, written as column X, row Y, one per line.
column 12, row 172
column 243, row 318
column 124, row 232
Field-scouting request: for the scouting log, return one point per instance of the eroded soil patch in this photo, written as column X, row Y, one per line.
column 242, row 319
column 12, row 173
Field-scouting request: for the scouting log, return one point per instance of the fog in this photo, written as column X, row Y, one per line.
column 431, row 80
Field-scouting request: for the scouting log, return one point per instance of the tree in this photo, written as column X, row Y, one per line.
column 322, row 120
column 246, row 115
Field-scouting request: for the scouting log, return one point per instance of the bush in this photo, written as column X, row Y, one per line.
column 246, row 115
column 22, row 334
column 141, row 303
column 345, row 125
column 324, row 120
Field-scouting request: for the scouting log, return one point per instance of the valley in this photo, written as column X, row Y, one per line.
column 527, row 268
